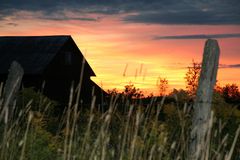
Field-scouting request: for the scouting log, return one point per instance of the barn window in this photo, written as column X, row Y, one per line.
column 68, row 58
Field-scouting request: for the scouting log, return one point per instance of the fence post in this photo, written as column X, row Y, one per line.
column 202, row 104
column 11, row 87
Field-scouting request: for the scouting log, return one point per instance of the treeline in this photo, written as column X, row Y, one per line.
column 229, row 92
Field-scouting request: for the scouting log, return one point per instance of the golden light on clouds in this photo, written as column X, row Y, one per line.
column 110, row 44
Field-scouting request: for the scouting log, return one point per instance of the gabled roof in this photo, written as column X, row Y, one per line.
column 34, row 53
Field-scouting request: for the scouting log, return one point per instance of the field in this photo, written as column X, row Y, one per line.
column 126, row 128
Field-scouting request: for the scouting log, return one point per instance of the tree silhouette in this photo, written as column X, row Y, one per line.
column 113, row 92
column 131, row 91
column 192, row 77
column 162, row 86
column 231, row 93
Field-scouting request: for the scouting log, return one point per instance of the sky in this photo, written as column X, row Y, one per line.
column 135, row 41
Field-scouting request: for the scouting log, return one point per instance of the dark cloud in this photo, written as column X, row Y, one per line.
column 176, row 12
column 229, row 65
column 47, row 15
column 69, row 18
column 12, row 24
column 184, row 18
column 199, row 36
column 187, row 12
column 59, row 16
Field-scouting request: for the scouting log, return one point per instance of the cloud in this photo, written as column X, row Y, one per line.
column 64, row 17
column 177, row 12
column 199, row 36
column 12, row 24
column 79, row 18
column 186, row 12
column 184, row 18
column 229, row 65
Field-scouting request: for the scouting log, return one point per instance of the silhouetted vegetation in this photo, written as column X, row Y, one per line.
column 132, row 126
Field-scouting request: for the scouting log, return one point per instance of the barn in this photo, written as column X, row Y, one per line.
column 55, row 60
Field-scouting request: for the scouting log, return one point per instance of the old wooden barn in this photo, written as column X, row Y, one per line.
column 54, row 59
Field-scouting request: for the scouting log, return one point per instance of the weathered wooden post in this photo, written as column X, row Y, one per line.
column 11, row 87
column 202, row 104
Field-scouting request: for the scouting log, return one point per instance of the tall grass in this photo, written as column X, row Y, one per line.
column 127, row 130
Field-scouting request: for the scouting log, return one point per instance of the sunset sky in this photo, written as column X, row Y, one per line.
column 135, row 41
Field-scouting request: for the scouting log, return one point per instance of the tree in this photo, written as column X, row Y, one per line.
column 192, row 77
column 231, row 93
column 131, row 91
column 217, row 88
column 113, row 92
column 162, row 86
column 181, row 95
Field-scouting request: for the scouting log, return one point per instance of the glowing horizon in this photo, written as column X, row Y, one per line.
column 150, row 48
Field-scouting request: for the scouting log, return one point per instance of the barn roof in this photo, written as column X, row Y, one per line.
column 34, row 53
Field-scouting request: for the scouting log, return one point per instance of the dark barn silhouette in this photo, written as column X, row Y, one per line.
column 56, row 60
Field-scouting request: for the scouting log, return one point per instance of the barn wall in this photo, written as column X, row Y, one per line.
column 59, row 75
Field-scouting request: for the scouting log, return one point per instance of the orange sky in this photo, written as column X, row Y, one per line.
column 111, row 45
